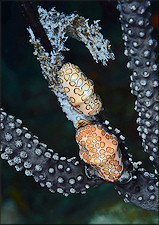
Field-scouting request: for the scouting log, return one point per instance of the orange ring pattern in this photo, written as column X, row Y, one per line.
column 79, row 90
column 100, row 149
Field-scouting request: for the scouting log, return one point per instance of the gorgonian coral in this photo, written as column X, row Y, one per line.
column 23, row 150
column 139, row 48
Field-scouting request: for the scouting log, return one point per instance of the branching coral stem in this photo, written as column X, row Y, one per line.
column 35, row 24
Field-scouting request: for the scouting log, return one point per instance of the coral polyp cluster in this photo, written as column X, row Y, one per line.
column 23, row 150
column 139, row 48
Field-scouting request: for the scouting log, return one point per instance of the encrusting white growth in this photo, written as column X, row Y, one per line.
column 57, row 27
column 77, row 27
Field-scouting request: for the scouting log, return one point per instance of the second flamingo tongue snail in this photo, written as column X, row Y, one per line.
column 99, row 149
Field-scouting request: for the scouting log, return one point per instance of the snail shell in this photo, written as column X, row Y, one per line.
column 79, row 90
column 100, row 149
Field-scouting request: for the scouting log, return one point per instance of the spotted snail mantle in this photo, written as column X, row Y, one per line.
column 99, row 149
column 104, row 156
column 79, row 90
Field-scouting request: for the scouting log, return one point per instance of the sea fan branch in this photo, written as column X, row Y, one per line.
column 140, row 49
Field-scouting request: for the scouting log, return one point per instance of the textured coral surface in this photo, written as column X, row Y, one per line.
column 25, row 94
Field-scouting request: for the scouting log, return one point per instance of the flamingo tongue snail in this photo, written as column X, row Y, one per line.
column 99, row 149
column 79, row 90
